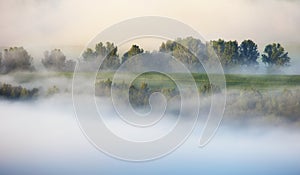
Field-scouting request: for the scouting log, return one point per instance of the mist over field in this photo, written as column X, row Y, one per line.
column 43, row 137
column 184, row 87
column 40, row 134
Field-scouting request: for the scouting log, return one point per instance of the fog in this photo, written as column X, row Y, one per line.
column 43, row 136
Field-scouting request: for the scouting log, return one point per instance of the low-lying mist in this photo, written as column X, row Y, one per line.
column 43, row 137
column 259, row 133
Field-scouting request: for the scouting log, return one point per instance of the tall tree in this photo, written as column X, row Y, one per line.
column 16, row 58
column 227, row 51
column 55, row 60
column 248, row 53
column 275, row 55
column 188, row 50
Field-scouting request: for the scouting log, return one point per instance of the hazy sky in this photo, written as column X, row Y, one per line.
column 72, row 22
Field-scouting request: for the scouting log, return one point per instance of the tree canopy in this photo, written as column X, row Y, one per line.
column 109, row 52
column 16, row 92
column 16, row 58
column 134, row 50
column 274, row 54
column 227, row 51
column 190, row 51
column 248, row 53
column 187, row 50
column 56, row 61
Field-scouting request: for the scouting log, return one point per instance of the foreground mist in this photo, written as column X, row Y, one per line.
column 43, row 137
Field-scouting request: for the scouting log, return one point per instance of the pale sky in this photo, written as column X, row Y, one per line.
column 72, row 22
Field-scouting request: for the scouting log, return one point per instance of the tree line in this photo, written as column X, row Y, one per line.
column 17, row 92
column 188, row 50
column 18, row 59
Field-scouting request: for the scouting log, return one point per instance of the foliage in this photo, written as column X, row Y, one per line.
column 248, row 53
column 103, row 88
column 108, row 52
column 56, row 61
column 16, row 58
column 17, row 92
column 208, row 89
column 188, row 50
column 283, row 105
column 227, row 51
column 139, row 96
column 52, row 91
column 275, row 55
column 134, row 50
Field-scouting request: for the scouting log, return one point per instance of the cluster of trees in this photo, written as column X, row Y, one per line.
column 14, row 59
column 17, row 92
column 107, row 52
column 139, row 94
column 56, row 61
column 187, row 50
column 284, row 105
column 230, row 53
column 18, row 59
column 134, row 50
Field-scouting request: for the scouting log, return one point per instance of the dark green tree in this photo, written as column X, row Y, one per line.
column 248, row 53
column 134, row 50
column 227, row 51
column 16, row 92
column 275, row 55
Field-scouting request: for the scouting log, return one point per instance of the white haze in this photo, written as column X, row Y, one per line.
column 42, row 136
column 73, row 22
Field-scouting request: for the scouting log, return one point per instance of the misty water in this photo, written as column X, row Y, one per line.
column 44, row 137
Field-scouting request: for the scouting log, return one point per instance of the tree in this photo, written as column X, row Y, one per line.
column 16, row 92
column 231, row 52
column 109, row 52
column 134, row 50
column 248, row 53
column 0, row 59
column 195, row 46
column 89, row 55
column 275, row 55
column 227, row 51
column 69, row 66
column 56, row 61
column 188, row 50
column 16, row 58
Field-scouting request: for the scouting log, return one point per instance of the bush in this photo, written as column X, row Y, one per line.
column 17, row 92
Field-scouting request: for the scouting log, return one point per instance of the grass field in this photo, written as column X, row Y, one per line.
column 233, row 81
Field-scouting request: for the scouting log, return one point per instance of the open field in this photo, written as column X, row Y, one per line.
column 157, row 80
column 233, row 81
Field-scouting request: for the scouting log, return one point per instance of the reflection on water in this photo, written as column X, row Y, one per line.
column 43, row 137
